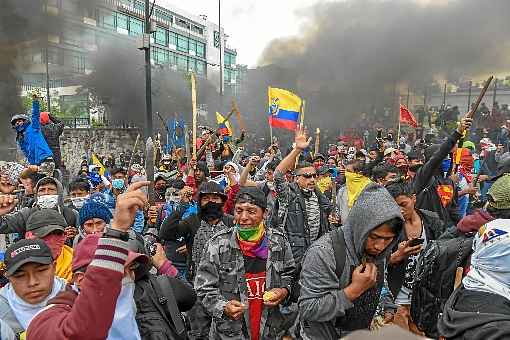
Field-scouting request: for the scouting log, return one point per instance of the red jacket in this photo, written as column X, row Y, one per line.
column 88, row 315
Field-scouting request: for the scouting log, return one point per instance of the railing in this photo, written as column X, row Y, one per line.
column 76, row 122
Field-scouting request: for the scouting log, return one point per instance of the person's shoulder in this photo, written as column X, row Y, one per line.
column 429, row 214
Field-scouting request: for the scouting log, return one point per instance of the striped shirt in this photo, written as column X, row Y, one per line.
column 313, row 215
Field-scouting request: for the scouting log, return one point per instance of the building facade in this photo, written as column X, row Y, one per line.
column 182, row 42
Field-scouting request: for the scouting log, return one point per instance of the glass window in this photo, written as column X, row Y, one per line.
column 121, row 21
column 71, row 37
column 172, row 37
column 192, row 65
column 182, row 44
column 182, row 23
column 161, row 36
column 200, row 67
column 139, row 6
column 164, row 16
column 182, row 63
column 106, row 19
column 172, row 58
column 160, row 55
column 198, row 30
column 193, row 45
column 200, row 49
column 135, row 27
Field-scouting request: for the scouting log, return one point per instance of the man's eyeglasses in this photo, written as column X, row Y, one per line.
column 308, row 175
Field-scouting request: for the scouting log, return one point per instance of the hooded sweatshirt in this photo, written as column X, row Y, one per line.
column 16, row 222
column 322, row 298
column 434, row 192
column 31, row 140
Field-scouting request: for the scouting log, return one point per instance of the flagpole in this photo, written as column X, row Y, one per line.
column 398, row 133
column 302, row 118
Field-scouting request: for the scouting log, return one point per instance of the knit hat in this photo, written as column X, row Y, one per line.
column 252, row 195
column 44, row 118
column 499, row 193
column 94, row 209
column 12, row 171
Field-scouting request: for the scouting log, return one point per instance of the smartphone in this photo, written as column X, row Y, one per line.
column 415, row 242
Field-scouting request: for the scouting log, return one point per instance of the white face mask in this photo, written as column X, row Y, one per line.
column 124, row 321
column 47, row 201
column 78, row 202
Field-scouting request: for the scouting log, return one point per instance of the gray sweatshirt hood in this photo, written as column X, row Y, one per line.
column 60, row 188
column 373, row 207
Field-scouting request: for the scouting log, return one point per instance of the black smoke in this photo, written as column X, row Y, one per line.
column 351, row 54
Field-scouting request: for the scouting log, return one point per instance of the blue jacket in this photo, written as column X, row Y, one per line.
column 32, row 141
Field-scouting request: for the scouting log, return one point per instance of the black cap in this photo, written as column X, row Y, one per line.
column 44, row 221
column 211, row 187
column 252, row 195
column 26, row 251
column 202, row 166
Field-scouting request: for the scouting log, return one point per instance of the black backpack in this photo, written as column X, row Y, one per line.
column 157, row 315
column 435, row 279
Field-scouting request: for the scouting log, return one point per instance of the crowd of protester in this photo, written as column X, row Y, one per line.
column 405, row 236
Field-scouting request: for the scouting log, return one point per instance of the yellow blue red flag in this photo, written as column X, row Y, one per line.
column 97, row 162
column 223, row 125
column 284, row 108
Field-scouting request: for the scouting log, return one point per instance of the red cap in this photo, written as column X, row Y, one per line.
column 85, row 250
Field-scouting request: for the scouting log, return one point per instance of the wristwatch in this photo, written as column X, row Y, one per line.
column 114, row 233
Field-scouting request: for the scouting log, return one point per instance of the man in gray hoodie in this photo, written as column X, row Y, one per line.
column 49, row 195
column 331, row 304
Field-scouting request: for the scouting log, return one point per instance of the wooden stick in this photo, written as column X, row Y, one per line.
column 194, row 108
column 238, row 115
column 317, row 142
column 480, row 97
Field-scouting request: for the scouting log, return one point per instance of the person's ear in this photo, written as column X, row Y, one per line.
column 413, row 198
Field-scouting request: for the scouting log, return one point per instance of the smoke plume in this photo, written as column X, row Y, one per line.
column 351, row 54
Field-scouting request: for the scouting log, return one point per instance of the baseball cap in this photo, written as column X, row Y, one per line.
column 86, row 249
column 26, row 251
column 499, row 193
column 44, row 221
column 252, row 195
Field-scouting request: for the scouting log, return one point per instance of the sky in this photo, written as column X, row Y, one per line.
column 250, row 24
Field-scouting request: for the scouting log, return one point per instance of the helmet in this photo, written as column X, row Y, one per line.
column 19, row 116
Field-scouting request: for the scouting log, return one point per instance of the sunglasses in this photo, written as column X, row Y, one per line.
column 308, row 175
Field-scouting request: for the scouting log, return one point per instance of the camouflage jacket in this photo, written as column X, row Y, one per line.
column 221, row 278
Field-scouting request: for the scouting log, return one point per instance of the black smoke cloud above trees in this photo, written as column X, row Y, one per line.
column 350, row 53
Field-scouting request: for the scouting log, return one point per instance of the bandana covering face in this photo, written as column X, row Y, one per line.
column 355, row 183
column 489, row 263
column 253, row 241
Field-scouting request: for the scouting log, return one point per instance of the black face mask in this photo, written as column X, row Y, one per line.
column 211, row 211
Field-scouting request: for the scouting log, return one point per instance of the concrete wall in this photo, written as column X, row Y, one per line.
column 79, row 143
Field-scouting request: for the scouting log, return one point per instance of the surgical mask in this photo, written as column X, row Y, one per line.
column 47, row 201
column 118, row 184
column 445, row 165
column 78, row 202
column 172, row 198
column 124, row 321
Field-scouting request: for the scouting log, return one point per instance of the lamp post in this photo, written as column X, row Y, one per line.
column 148, row 76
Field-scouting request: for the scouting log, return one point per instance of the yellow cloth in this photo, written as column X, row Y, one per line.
column 98, row 163
column 324, row 183
column 64, row 264
column 355, row 183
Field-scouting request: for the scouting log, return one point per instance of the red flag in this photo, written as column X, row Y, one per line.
column 407, row 117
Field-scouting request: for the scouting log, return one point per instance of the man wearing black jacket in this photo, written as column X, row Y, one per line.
column 198, row 230
column 52, row 129
column 421, row 225
column 435, row 191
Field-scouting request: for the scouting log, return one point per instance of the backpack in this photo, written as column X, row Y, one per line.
column 338, row 244
column 158, row 315
column 434, row 280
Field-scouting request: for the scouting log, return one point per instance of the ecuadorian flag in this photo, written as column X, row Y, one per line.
column 284, row 108
column 223, row 125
